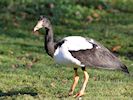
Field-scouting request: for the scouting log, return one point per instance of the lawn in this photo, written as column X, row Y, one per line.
column 28, row 73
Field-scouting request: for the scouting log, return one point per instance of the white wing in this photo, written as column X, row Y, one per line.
column 75, row 43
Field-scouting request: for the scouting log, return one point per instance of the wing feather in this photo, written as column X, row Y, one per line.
column 97, row 58
column 75, row 43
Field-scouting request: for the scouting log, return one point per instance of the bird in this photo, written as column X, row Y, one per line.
column 79, row 52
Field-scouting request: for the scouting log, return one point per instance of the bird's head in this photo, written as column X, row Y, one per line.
column 42, row 22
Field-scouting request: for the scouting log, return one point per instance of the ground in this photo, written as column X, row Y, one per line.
column 28, row 73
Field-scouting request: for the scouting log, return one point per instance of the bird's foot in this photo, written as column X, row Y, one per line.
column 70, row 93
column 79, row 94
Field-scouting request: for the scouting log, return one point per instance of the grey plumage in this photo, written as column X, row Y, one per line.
column 99, row 57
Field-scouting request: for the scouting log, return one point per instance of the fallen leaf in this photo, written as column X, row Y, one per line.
column 53, row 84
column 96, row 15
column 100, row 7
column 116, row 48
column 15, row 66
column 95, row 78
column 64, row 81
column 89, row 19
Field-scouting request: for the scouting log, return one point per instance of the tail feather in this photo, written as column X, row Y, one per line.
column 124, row 69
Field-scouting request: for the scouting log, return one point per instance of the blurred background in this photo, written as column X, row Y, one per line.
column 25, row 69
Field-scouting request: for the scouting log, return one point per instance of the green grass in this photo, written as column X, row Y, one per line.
column 28, row 73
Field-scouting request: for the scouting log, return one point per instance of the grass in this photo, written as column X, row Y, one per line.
column 28, row 73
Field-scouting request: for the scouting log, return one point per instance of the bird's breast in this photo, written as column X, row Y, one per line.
column 61, row 56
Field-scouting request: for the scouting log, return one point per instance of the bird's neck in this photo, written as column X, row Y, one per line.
column 49, row 42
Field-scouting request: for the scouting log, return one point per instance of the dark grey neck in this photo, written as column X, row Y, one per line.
column 49, row 43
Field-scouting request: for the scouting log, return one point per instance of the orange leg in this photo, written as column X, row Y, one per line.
column 76, row 78
column 81, row 92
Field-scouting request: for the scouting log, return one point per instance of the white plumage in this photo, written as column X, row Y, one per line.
column 71, row 43
column 75, row 43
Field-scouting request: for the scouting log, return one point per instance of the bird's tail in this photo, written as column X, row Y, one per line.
column 124, row 68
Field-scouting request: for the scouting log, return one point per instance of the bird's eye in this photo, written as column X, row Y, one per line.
column 43, row 20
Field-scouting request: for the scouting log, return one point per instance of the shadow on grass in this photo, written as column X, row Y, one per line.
column 15, row 93
column 19, row 91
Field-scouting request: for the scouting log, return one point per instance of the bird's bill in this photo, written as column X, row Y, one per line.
column 38, row 26
column 36, row 29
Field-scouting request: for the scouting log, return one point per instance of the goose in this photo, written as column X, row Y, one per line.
column 79, row 52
